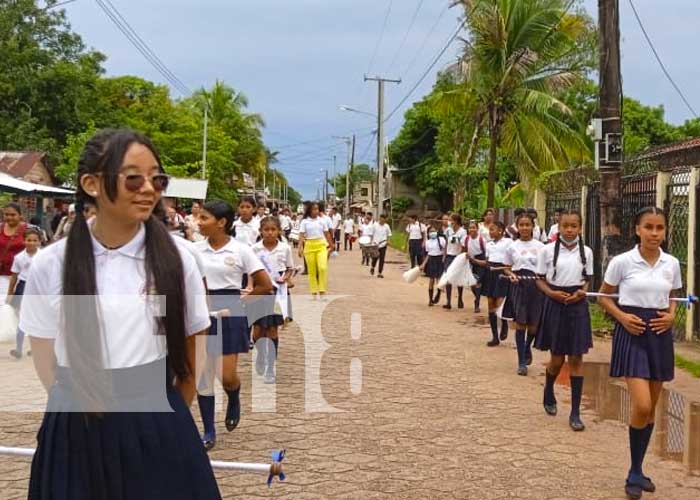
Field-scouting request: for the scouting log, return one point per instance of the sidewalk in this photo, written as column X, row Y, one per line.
column 438, row 415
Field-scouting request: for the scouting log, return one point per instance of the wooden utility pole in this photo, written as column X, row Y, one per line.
column 610, row 145
column 348, row 177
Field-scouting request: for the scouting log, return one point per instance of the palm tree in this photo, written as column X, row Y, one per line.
column 519, row 56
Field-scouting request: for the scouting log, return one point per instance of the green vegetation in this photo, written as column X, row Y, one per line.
column 54, row 96
column 399, row 241
column 687, row 365
column 600, row 321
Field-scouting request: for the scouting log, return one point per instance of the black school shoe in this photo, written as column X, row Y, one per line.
column 493, row 343
column 633, row 491
column 576, row 424
column 642, row 482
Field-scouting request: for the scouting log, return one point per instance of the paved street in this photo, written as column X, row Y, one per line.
column 438, row 414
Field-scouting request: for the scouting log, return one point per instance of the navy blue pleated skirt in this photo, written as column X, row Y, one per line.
column 434, row 268
column 230, row 334
column 564, row 329
column 266, row 316
column 524, row 302
column 136, row 455
column 648, row 356
column 494, row 286
column 16, row 300
column 479, row 272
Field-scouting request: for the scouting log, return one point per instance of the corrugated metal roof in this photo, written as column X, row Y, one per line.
column 19, row 163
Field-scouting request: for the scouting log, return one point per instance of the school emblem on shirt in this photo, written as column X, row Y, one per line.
column 230, row 261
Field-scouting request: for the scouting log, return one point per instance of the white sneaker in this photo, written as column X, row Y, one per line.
column 270, row 375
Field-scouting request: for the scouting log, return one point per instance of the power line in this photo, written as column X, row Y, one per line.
column 425, row 41
column 381, row 36
column 427, row 71
column 140, row 45
column 405, row 37
column 658, row 59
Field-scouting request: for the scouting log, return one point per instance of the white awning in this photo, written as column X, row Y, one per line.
column 14, row 185
column 195, row 189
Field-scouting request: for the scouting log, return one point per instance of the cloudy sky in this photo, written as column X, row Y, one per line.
column 299, row 60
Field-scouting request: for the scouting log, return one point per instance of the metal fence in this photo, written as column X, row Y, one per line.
column 677, row 207
column 592, row 232
column 638, row 191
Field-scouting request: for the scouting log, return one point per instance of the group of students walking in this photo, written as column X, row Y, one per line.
column 540, row 283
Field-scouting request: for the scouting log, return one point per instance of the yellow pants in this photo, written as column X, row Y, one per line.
column 316, row 255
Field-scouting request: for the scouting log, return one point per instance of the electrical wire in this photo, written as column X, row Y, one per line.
column 427, row 72
column 381, row 37
column 425, row 41
column 658, row 59
column 405, row 37
column 120, row 22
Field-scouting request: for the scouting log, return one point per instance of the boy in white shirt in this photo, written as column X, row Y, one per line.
column 380, row 237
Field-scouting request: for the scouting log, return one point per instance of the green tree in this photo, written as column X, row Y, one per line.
column 519, row 57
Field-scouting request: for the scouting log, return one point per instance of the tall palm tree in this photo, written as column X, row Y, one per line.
column 520, row 54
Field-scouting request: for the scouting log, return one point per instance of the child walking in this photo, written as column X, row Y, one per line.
column 18, row 280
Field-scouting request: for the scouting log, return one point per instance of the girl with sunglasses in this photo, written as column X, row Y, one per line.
column 119, row 369
column 226, row 261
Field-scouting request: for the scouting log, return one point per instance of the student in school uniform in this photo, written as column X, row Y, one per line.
column 367, row 229
column 554, row 229
column 512, row 230
column 416, row 240
column 475, row 246
column 646, row 278
column 380, row 238
column 276, row 256
column 246, row 228
column 538, row 233
column 226, row 261
column 565, row 327
column 496, row 288
column 432, row 265
column 120, row 378
column 20, row 272
column 487, row 218
column 348, row 232
column 336, row 219
column 315, row 242
column 455, row 237
column 524, row 299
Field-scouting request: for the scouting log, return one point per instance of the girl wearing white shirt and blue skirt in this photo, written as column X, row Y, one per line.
column 117, row 362
column 565, row 328
column 226, row 261
column 455, row 236
column 645, row 278
column 524, row 302
column 495, row 288
column 432, row 264
column 475, row 246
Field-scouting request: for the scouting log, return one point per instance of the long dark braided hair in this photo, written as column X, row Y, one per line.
column 581, row 246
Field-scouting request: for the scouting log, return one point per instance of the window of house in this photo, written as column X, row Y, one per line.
column 365, row 191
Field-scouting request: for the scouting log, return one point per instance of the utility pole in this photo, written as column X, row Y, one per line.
column 335, row 181
column 380, row 136
column 204, row 140
column 610, row 145
column 325, row 187
column 348, row 176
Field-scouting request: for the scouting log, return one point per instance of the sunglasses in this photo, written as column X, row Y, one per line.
column 134, row 182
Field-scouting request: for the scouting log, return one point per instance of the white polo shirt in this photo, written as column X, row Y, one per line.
column 21, row 264
column 496, row 250
column 313, row 229
column 279, row 259
column 129, row 327
column 415, row 231
column 435, row 247
column 247, row 232
column 475, row 246
column 348, row 226
column 484, row 231
column 569, row 266
column 381, row 234
column 336, row 220
column 553, row 231
column 285, row 222
column 642, row 285
column 454, row 240
column 367, row 229
column 224, row 268
column 522, row 255
column 190, row 248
